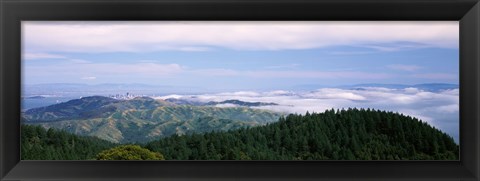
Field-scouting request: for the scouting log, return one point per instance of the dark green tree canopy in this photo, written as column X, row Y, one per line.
column 129, row 152
column 351, row 134
column 41, row 144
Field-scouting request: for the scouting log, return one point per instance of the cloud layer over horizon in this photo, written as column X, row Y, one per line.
column 439, row 109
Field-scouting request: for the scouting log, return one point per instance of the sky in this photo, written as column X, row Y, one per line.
column 258, row 61
column 243, row 56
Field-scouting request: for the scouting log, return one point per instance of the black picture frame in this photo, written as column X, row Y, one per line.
column 12, row 12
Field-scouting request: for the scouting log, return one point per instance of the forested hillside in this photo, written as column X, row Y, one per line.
column 41, row 144
column 333, row 135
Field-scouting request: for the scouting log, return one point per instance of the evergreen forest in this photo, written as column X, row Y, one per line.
column 352, row 134
column 37, row 143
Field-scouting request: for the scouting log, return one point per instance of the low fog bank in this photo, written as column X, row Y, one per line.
column 438, row 108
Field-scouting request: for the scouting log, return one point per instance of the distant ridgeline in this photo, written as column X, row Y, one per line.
column 144, row 119
column 333, row 135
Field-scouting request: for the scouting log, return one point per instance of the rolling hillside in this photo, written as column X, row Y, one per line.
column 142, row 119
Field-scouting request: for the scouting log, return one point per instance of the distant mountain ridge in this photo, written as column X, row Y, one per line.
column 89, row 107
column 427, row 86
column 235, row 102
column 242, row 103
column 142, row 119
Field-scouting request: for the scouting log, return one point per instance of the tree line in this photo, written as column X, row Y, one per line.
column 353, row 134
column 38, row 143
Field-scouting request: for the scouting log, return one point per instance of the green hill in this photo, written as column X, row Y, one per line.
column 333, row 135
column 142, row 119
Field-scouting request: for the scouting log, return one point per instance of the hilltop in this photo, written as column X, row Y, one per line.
column 351, row 134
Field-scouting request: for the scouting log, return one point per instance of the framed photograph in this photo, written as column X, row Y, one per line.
column 243, row 90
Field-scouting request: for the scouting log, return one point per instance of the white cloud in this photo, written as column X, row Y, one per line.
column 351, row 52
column 215, row 72
column 89, row 78
column 411, row 90
column 437, row 76
column 149, row 67
column 139, row 68
column 398, row 47
column 318, row 74
column 452, row 108
column 78, row 61
column 451, row 92
column 329, row 93
column 241, row 93
column 289, row 74
column 203, row 36
column 172, row 96
column 105, row 69
column 278, row 93
column 409, row 68
column 289, row 66
column 33, row 56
